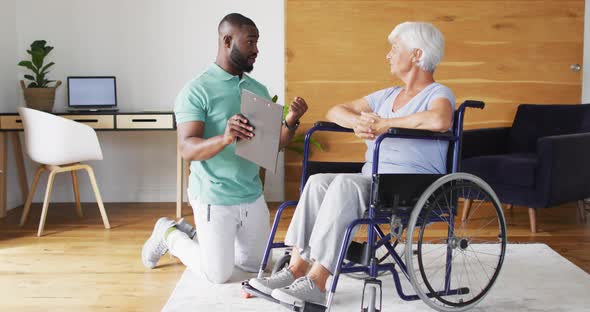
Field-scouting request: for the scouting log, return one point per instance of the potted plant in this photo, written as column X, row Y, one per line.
column 38, row 94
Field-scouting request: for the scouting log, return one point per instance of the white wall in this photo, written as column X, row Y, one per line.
column 586, row 65
column 8, row 83
column 153, row 47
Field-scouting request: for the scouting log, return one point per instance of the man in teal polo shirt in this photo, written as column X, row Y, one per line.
column 225, row 191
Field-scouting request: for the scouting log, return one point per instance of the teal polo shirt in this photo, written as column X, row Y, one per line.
column 213, row 97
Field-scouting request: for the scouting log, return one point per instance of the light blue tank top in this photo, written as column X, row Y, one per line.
column 408, row 155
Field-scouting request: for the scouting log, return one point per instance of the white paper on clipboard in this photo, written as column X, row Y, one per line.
column 266, row 117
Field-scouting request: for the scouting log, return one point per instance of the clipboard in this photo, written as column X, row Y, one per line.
column 266, row 118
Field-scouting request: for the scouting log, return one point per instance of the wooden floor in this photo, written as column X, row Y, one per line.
column 78, row 265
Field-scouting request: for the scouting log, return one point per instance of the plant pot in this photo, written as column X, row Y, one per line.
column 40, row 98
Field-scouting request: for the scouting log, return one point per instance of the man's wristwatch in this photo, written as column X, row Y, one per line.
column 293, row 127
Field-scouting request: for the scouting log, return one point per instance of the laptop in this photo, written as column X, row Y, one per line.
column 92, row 94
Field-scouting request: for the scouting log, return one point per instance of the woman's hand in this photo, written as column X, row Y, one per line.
column 363, row 127
column 373, row 122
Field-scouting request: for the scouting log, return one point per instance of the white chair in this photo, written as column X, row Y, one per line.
column 59, row 145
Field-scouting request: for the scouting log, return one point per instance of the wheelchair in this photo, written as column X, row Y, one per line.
column 450, row 266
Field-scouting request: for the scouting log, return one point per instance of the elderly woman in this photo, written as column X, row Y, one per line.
column 329, row 202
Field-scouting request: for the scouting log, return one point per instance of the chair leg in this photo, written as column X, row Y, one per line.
column 466, row 208
column 581, row 215
column 52, row 174
column 186, row 175
column 179, row 180
column 584, row 211
column 510, row 209
column 77, row 193
column 27, row 207
column 533, row 219
column 103, row 212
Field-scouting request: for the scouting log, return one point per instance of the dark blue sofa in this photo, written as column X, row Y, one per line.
column 541, row 161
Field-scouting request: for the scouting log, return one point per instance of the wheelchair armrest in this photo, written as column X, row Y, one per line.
column 415, row 133
column 330, row 126
column 474, row 104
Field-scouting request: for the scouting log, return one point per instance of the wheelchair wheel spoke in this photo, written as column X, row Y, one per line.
column 481, row 264
column 475, row 277
column 436, row 240
column 480, row 252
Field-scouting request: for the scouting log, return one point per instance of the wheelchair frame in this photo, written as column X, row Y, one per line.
column 376, row 237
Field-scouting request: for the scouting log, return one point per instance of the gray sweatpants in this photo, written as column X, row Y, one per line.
column 328, row 204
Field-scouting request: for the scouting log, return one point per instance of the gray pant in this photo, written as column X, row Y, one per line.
column 328, row 204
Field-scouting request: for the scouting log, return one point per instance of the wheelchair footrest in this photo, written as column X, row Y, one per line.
column 312, row 307
column 307, row 306
column 246, row 287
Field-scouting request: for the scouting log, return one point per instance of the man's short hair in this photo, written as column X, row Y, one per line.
column 236, row 20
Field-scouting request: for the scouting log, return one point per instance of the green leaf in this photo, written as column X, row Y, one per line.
column 38, row 57
column 29, row 77
column 33, row 85
column 47, row 50
column 40, row 79
column 44, row 69
column 296, row 149
column 285, row 110
column 29, row 65
column 316, row 144
column 275, row 98
column 298, row 139
column 45, row 83
column 38, row 44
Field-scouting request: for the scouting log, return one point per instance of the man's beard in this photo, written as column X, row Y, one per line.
column 239, row 61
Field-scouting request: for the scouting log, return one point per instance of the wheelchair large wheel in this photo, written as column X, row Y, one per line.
column 455, row 264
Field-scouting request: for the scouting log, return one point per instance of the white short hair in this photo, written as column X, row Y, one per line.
column 423, row 36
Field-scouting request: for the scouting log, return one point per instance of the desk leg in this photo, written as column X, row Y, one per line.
column 186, row 172
column 179, row 186
column 20, row 165
column 3, row 152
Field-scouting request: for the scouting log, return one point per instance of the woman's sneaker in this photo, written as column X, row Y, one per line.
column 280, row 279
column 302, row 290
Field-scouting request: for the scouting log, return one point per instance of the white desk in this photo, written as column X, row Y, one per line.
column 10, row 125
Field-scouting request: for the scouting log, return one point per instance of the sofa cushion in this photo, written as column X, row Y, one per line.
column 535, row 121
column 507, row 169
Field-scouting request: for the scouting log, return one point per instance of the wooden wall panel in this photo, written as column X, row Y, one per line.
column 502, row 52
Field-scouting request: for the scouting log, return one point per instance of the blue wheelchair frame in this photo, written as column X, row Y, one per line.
column 376, row 237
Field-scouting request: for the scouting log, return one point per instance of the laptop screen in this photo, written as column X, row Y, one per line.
column 92, row 92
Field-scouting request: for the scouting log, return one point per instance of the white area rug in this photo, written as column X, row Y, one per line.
column 533, row 278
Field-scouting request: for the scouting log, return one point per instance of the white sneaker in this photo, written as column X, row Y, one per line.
column 300, row 291
column 282, row 278
column 155, row 247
